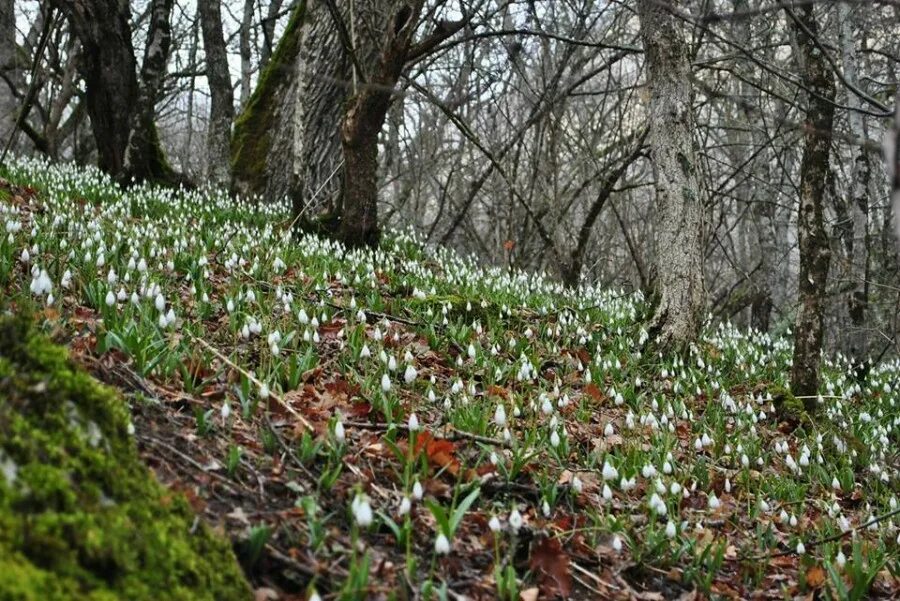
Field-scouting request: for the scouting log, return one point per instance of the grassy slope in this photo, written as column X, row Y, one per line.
column 629, row 472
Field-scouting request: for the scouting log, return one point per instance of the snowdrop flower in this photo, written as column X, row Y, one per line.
column 670, row 529
column 607, row 492
column 413, row 422
column 417, row 491
column 110, row 299
column 410, row 374
column 713, row 501
column 617, row 544
column 577, row 484
column 545, row 509
column 365, row 353
column 554, row 439
column 515, row 519
column 494, row 524
column 263, row 391
column 840, row 559
column 339, row 433
column 801, row 548
column 362, row 511
column 609, row 472
column 836, row 484
column 385, row 383
column 500, row 415
column 608, row 430
column 441, row 544
column 405, row 506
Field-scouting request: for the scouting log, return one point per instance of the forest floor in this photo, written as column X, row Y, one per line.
column 407, row 424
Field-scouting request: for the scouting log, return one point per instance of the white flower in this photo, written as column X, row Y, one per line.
column 110, row 299
column 500, row 415
column 362, row 511
column 840, row 559
column 339, row 433
column 441, row 544
column 835, row 483
column 365, row 353
column 385, row 383
column 670, row 529
column 713, row 501
column 417, row 491
column 515, row 519
column 554, row 439
column 801, row 548
column 410, row 374
column 405, row 506
column 609, row 472
column 263, row 391
column 617, row 544
column 226, row 410
column 160, row 303
column 413, row 422
column 494, row 524
column 577, row 485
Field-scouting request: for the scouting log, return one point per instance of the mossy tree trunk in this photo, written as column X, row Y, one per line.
column 812, row 236
column 679, row 208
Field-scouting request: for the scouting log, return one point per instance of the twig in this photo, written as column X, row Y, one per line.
column 306, row 424
column 452, row 434
column 828, row 539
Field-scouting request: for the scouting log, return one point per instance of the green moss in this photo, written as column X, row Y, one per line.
column 251, row 142
column 80, row 516
column 788, row 407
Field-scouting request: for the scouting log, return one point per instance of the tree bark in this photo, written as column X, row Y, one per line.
column 8, row 103
column 246, row 53
column 108, row 69
column 858, row 244
column 678, row 317
column 362, row 124
column 221, row 112
column 145, row 159
column 811, row 233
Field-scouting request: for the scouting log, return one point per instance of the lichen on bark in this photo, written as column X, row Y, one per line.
column 80, row 516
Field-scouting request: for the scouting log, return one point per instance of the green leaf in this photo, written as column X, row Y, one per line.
column 461, row 510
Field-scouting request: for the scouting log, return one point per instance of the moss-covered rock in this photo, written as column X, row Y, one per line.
column 80, row 516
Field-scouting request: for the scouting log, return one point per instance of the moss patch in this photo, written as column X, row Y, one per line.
column 80, row 516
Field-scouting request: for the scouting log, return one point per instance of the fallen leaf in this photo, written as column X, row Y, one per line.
column 529, row 594
column 815, row 577
column 548, row 559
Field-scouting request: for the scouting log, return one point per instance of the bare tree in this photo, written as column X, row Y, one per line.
column 812, row 235
column 220, row 91
column 679, row 207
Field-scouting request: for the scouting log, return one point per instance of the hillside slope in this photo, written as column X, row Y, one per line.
column 375, row 425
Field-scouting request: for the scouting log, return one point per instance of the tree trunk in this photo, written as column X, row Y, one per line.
column 268, row 30
column 221, row 112
column 679, row 208
column 362, row 124
column 145, row 159
column 8, row 104
column 811, row 234
column 859, row 242
column 246, row 54
column 108, row 69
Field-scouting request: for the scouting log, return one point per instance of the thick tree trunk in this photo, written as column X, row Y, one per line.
column 679, row 208
column 812, row 237
column 108, row 69
column 858, row 244
column 145, row 159
column 221, row 112
column 287, row 140
column 362, row 124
